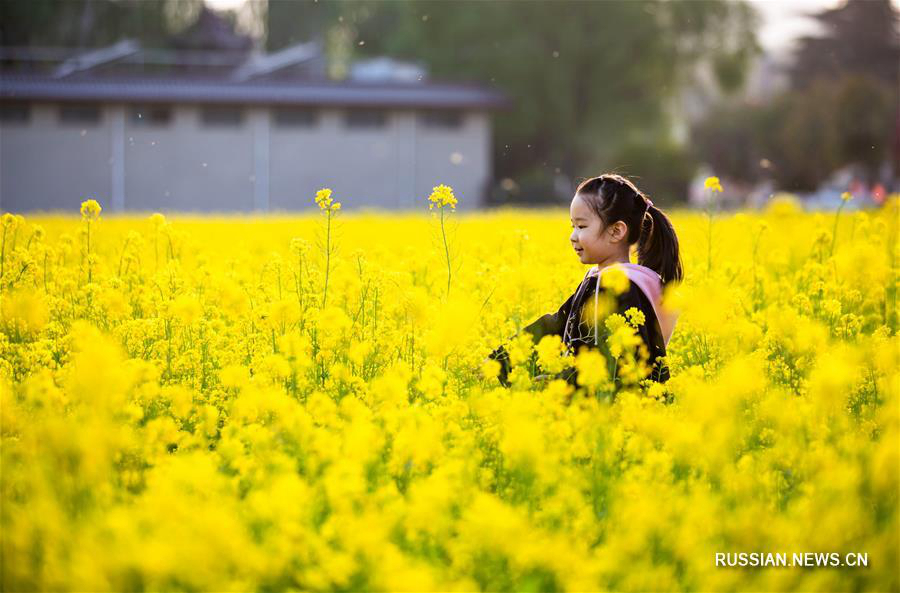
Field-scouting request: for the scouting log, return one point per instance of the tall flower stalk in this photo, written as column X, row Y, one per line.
column 9, row 225
column 441, row 196
column 158, row 221
column 323, row 199
column 712, row 185
column 845, row 197
column 90, row 211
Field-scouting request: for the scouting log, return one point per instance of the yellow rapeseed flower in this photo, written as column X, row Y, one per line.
column 591, row 366
column 323, row 198
column 23, row 312
column 490, row 369
column 186, row 308
column 9, row 221
column 221, row 394
column 157, row 219
column 90, row 209
column 713, row 184
column 615, row 279
column 635, row 316
column 442, row 195
column 551, row 350
column 324, row 201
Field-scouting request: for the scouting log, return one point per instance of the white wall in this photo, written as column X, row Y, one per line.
column 46, row 165
column 185, row 165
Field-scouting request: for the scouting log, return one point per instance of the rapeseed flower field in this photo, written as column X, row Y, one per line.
column 304, row 403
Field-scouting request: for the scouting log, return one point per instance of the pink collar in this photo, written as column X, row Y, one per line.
column 651, row 285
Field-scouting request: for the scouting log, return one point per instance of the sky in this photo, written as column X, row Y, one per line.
column 225, row 4
column 783, row 21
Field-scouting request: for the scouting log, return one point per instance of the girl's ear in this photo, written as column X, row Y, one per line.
column 618, row 231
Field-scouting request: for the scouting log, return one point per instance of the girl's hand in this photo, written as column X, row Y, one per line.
column 542, row 379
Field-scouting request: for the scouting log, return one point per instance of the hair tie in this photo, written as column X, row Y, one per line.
column 649, row 202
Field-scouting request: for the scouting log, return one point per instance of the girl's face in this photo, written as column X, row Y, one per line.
column 592, row 240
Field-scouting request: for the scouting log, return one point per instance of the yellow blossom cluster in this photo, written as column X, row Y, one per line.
column 442, row 195
column 90, row 209
column 324, row 201
column 712, row 184
column 180, row 408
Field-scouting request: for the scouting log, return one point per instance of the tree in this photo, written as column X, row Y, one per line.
column 732, row 140
column 860, row 36
column 92, row 23
column 802, row 136
column 289, row 22
column 839, row 112
column 586, row 77
column 863, row 110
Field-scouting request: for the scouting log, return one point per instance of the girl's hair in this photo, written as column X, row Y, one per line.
column 613, row 198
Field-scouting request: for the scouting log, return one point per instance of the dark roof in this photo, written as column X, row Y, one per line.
column 196, row 90
column 211, row 32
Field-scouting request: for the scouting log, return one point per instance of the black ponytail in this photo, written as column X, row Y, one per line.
column 658, row 246
column 613, row 198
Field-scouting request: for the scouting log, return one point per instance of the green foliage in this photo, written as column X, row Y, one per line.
column 663, row 170
column 93, row 23
column 839, row 112
column 585, row 77
column 289, row 22
column 858, row 36
column 802, row 136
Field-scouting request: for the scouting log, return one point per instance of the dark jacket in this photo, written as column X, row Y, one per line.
column 565, row 323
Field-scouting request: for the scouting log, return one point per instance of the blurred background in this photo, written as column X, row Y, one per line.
column 253, row 105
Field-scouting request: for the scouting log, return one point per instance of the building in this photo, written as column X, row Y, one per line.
column 232, row 129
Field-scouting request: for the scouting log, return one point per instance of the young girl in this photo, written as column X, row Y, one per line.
column 609, row 214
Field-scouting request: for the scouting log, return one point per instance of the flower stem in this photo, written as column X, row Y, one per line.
column 834, row 230
column 89, row 250
column 709, row 217
column 446, row 250
column 3, row 253
column 327, row 259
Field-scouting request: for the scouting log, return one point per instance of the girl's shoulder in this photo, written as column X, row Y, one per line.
column 636, row 297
